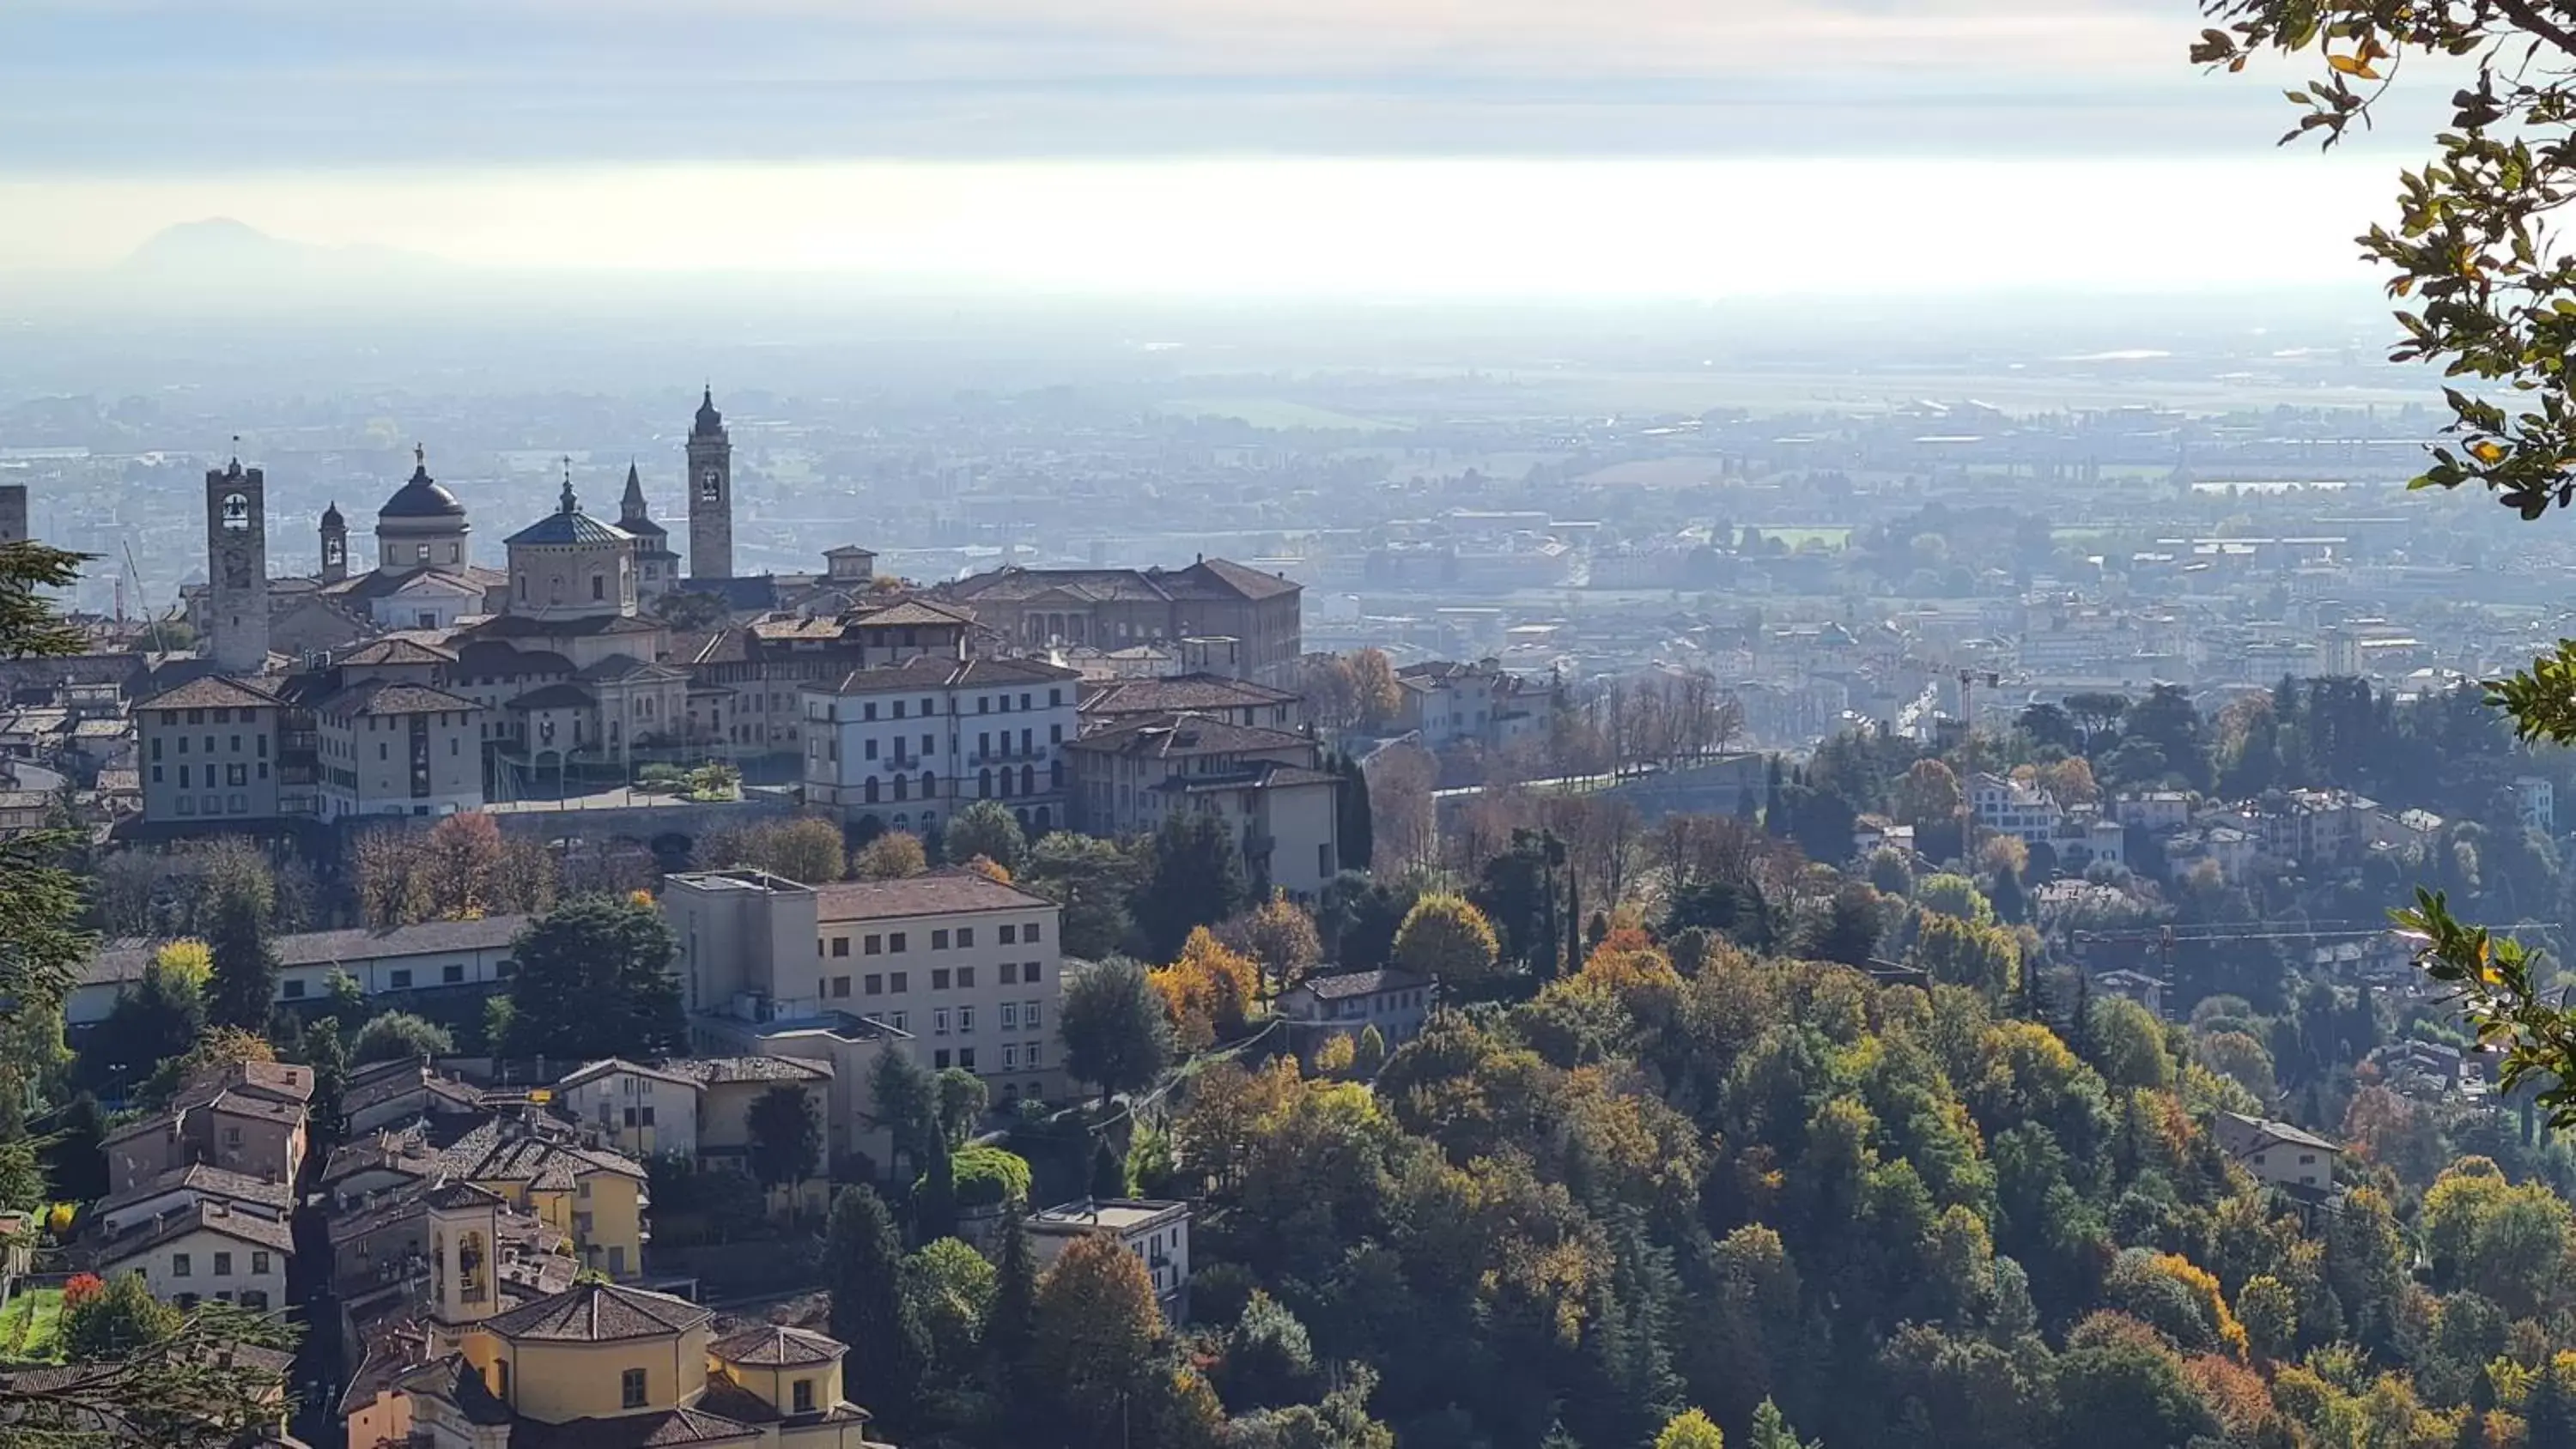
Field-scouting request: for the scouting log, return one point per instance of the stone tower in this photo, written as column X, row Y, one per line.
column 710, row 494
column 237, row 569
column 13, row 513
column 335, row 545
column 465, row 1244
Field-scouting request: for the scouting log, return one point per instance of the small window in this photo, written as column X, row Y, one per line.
column 840, row 945
column 452, row 975
column 895, row 943
column 939, row 940
column 401, row 978
column 874, row 984
column 841, row 987
column 259, row 1262
column 1029, row 934
column 965, row 978
column 965, row 938
column 939, row 979
column 630, row 1389
column 966, row 1058
column 1010, row 973
column 801, row 1396
column 1010, row 1016
column 223, row 1265
column 901, row 982
column 939, row 1059
column 872, row 946
column 939, row 1022
column 179, row 1265
column 1029, row 973
column 291, row 990
column 1010, row 935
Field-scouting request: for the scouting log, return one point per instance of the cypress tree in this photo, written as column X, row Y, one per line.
column 862, row 1266
column 243, row 986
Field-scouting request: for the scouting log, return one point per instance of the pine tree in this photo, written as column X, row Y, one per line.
column 934, row 1207
column 862, row 1269
column 1108, row 1173
column 243, row 987
column 1771, row 1430
column 1012, row 1322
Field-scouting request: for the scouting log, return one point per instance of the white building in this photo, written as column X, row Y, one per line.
column 206, row 1251
column 1158, row 1233
column 913, row 744
column 431, row 955
column 638, row 1110
column 2011, row 807
column 1348, row 1003
column 2278, row 1153
column 1265, row 786
column 2536, row 799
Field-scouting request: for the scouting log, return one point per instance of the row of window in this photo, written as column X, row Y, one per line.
column 1015, row 1057
column 201, row 716
column 214, row 805
column 897, row 983
column 233, row 775
column 235, row 741
column 1016, row 934
column 984, row 704
column 182, row 1266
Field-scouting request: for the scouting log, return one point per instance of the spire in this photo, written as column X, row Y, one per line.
column 570, row 503
column 236, row 453
column 631, row 508
column 709, row 421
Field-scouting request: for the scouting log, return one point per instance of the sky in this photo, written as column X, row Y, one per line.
column 1396, row 147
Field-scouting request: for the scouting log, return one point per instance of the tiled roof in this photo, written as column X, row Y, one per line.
column 452, row 1378
column 920, row 674
column 389, row 697
column 210, row 692
column 281, row 1081
column 206, row 1180
column 213, row 1217
column 1179, row 692
column 600, row 1313
column 125, row 959
column 717, row 1070
column 912, row 613
column 670, row 1429
column 1345, row 985
column 555, row 696
column 938, row 893
column 1163, row 736
column 2241, row 1134
column 618, row 1064
column 774, row 1345
column 383, row 652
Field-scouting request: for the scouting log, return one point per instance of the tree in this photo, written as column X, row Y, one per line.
column 785, row 1131
column 1010, row 1328
column 950, row 1287
column 1957, row 953
column 1209, row 991
column 895, row 855
column 243, row 984
column 160, row 1018
column 1096, row 1324
column 104, row 1321
column 987, row 828
column 1847, row 929
column 963, row 1100
column 1282, row 937
column 1377, row 696
column 1269, row 1358
column 1108, row 1173
column 595, row 981
column 903, row 1096
column 889, row 1349
column 1091, row 879
column 1771, row 1430
column 399, row 1036
column 1929, row 796
column 1193, row 877
column 1446, row 938
column 1115, row 1033
column 808, row 851
column 1690, row 1429
column 1356, row 835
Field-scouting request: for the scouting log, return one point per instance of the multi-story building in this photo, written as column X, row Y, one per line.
column 388, row 748
column 638, row 1110
column 209, row 752
column 430, row 956
column 1267, row 787
column 1158, row 1233
column 1347, row 1003
column 1109, row 608
column 917, row 742
column 1481, row 703
column 206, row 1251
column 2278, row 1153
column 2016, row 808
column 953, row 967
column 1110, row 702
column 246, row 1118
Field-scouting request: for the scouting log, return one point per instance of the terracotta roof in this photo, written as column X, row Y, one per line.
column 714, row 1071
column 210, row 692
column 279, row 1081
column 920, row 674
column 911, row 613
column 1209, row 578
column 619, row 1064
column 382, row 652
column 1179, row 692
column 774, row 1345
column 452, row 1378
column 600, row 1313
column 938, row 893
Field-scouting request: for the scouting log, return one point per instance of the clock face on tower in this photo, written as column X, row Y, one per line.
column 711, row 484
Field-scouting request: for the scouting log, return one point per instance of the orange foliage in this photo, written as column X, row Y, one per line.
column 1209, row 991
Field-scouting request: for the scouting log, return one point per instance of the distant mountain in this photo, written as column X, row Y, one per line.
column 222, row 249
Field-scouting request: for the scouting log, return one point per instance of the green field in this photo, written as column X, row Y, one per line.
column 27, row 1325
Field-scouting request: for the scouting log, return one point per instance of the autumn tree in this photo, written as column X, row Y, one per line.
column 1375, row 693
column 1096, row 1327
column 1208, row 991
column 1281, row 936
column 895, row 855
column 1447, row 939
column 1690, row 1429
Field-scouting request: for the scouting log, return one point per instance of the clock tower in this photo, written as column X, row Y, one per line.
column 710, row 494
column 237, row 569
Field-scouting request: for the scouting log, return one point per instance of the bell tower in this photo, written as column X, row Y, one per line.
column 464, row 1246
column 335, row 545
column 237, row 568
column 710, row 494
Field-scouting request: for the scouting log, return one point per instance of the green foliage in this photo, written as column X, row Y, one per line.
column 989, row 829
column 949, row 1287
column 1193, row 877
column 988, row 1176
column 1116, row 1035
column 595, row 981
column 1446, row 938
column 785, row 1126
column 118, row 1320
column 1091, row 879
column 863, row 1273
column 399, row 1035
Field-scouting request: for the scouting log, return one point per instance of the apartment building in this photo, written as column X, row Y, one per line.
column 958, row 969
column 1267, row 786
column 432, row 955
column 916, row 742
column 209, row 752
column 389, row 748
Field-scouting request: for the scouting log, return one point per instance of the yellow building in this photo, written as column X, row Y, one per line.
column 593, row 1196
column 600, row 1363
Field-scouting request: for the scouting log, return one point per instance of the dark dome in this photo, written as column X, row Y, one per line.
column 331, row 516
column 422, row 497
column 710, row 422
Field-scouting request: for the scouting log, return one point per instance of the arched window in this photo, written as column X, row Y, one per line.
column 984, row 783
column 871, row 790
column 929, row 785
column 903, row 787
column 1006, row 782
column 1028, row 779
column 1040, row 820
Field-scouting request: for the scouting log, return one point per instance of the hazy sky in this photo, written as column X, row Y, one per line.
column 1696, row 146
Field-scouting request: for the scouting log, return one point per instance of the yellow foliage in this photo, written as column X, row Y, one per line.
column 1209, row 991
column 2203, row 1286
column 1335, row 1056
column 991, row 869
column 1690, row 1429
column 187, row 959
column 58, row 1219
column 641, row 900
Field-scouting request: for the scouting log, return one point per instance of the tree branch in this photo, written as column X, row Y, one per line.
column 2521, row 13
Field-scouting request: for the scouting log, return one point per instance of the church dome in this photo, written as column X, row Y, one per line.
column 331, row 516
column 710, row 422
column 422, row 497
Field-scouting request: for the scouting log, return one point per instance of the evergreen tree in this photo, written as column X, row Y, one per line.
column 863, row 1271
column 934, row 1203
column 1108, row 1173
column 243, row 986
column 1358, row 823
column 1771, row 1430
column 1194, row 877
column 1013, row 1320
column 594, row 981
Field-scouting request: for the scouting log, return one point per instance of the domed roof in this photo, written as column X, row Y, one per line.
column 567, row 525
column 331, row 516
column 710, row 421
column 423, row 496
